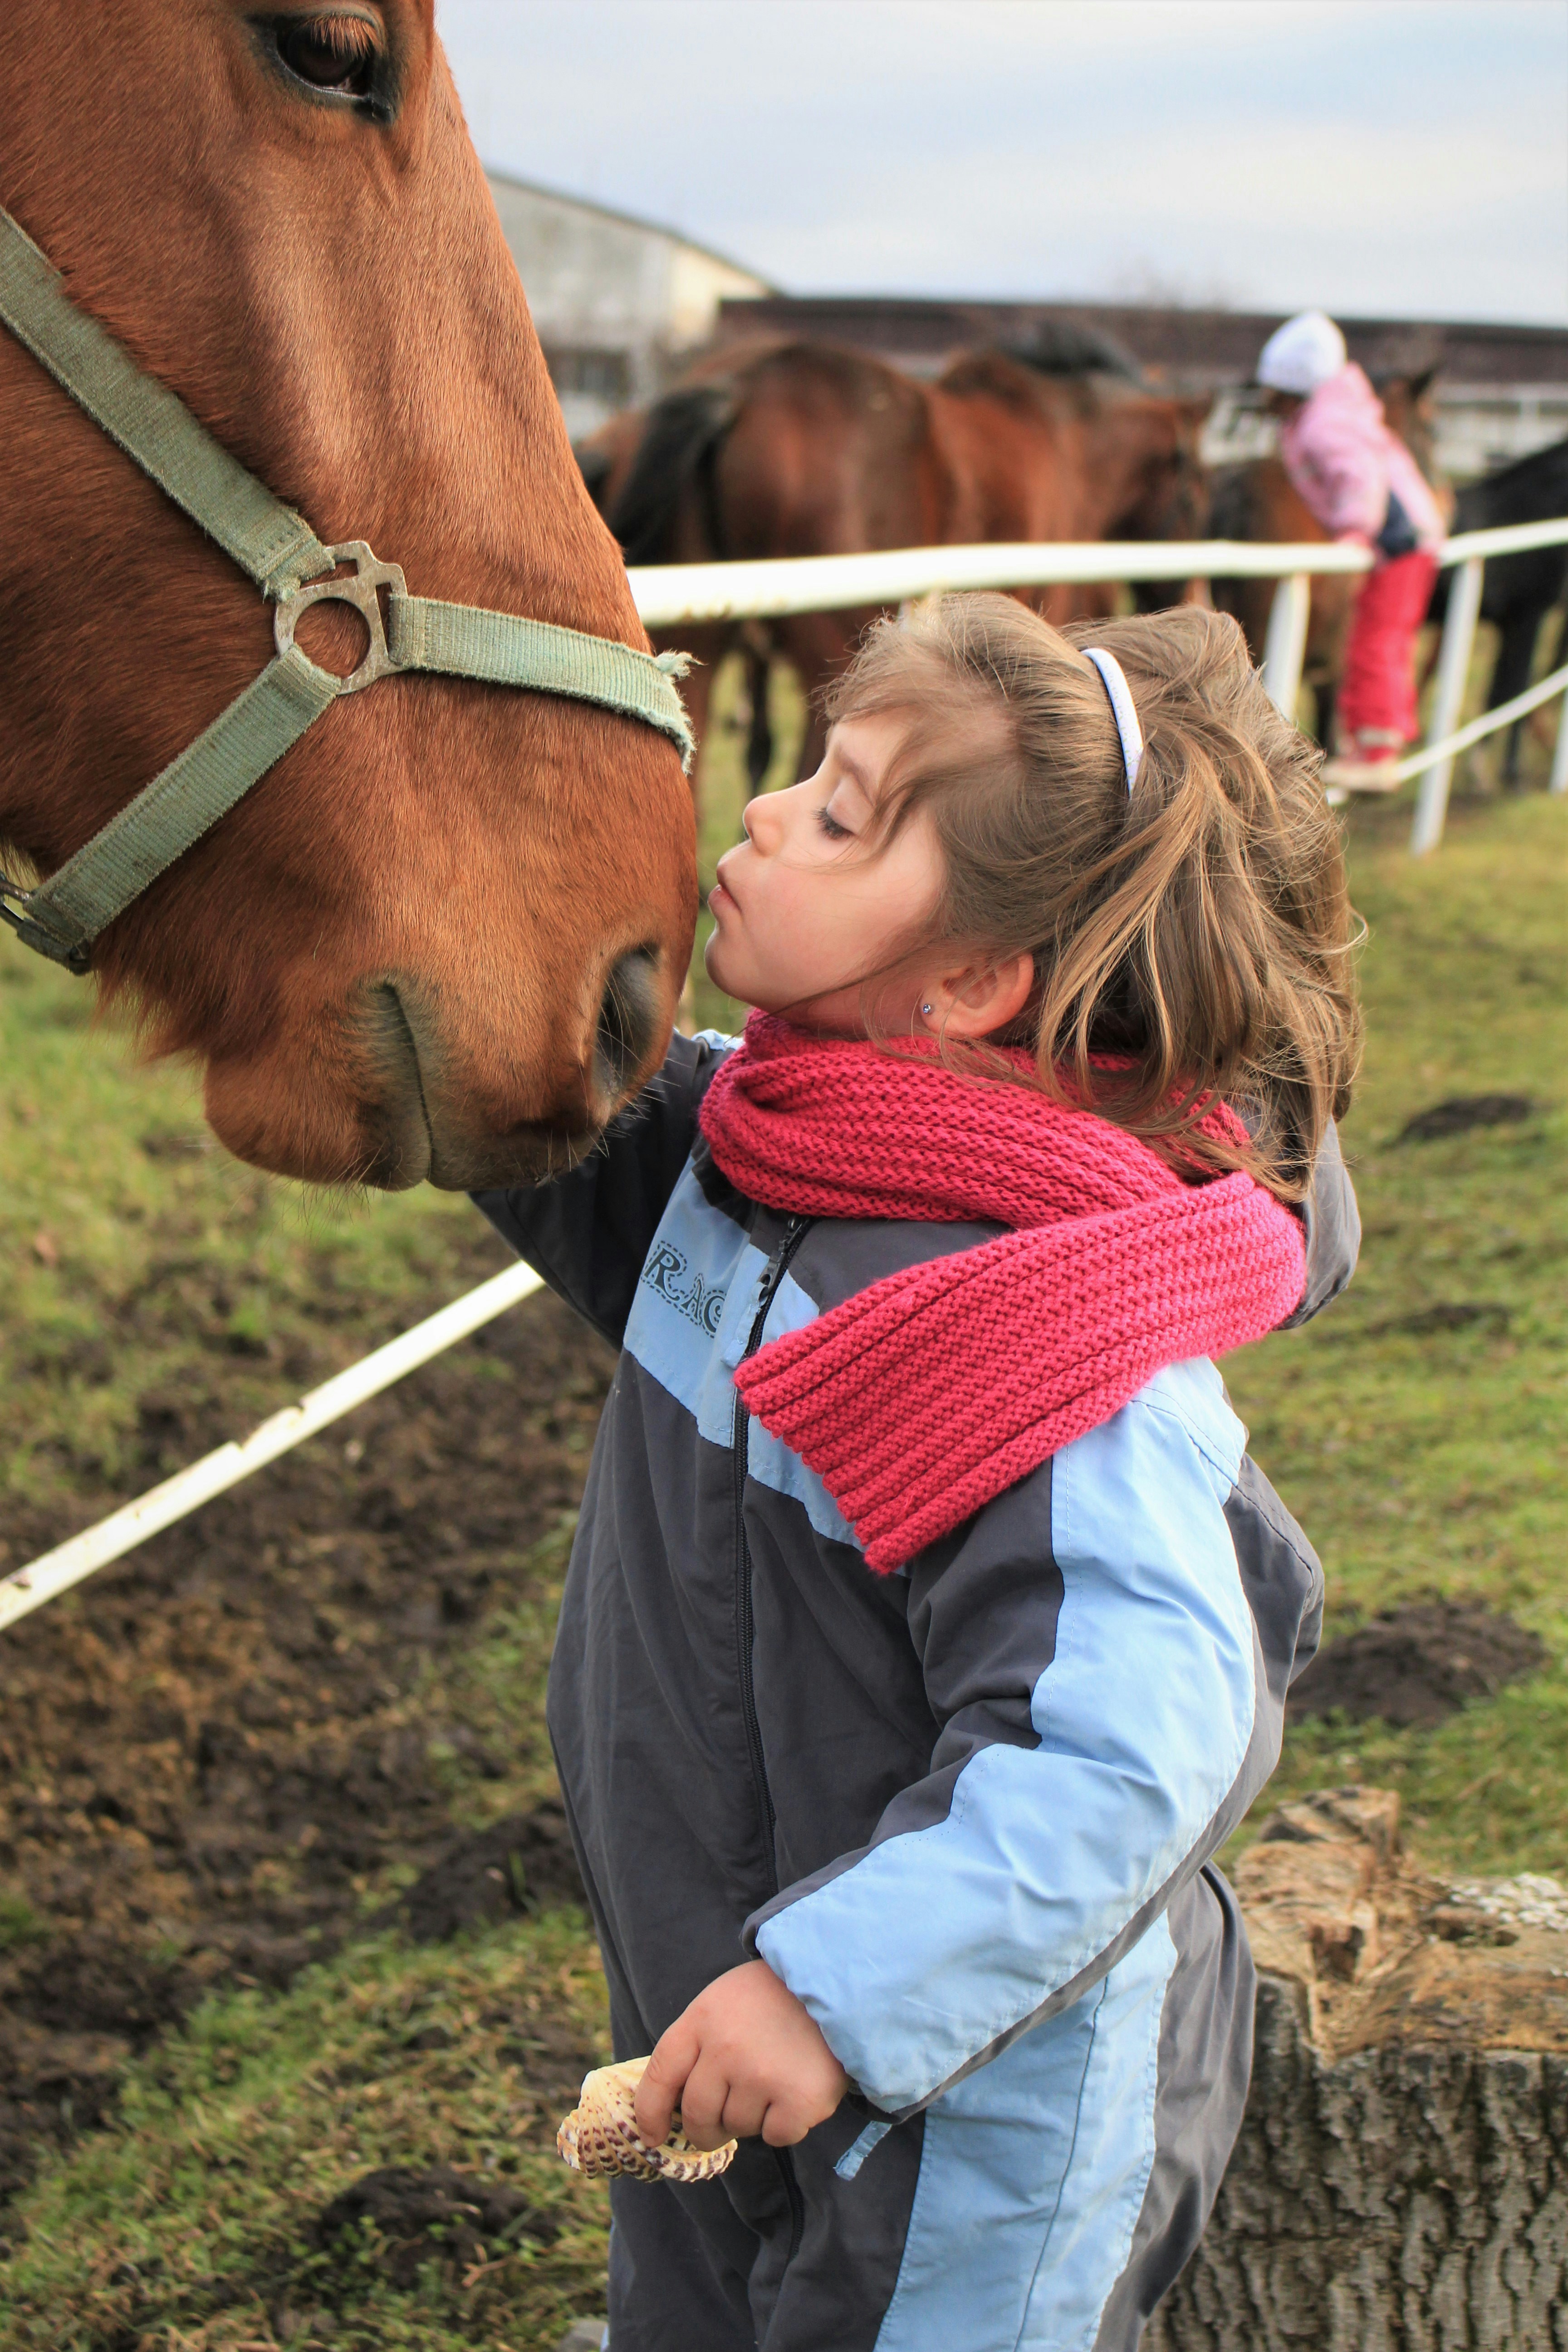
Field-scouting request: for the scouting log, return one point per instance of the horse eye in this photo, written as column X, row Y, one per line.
column 335, row 53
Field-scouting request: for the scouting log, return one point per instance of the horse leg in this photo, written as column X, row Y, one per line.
column 814, row 743
column 708, row 646
column 818, row 645
column 1329, row 618
column 757, row 655
column 1510, row 676
column 1325, row 696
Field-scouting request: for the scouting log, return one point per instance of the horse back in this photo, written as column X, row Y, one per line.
column 1533, row 490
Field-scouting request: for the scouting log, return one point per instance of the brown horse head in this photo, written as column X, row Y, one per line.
column 1410, row 404
column 1260, row 501
column 1166, row 483
column 445, row 936
column 1123, row 461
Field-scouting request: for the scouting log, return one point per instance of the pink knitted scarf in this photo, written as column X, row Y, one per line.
column 923, row 1396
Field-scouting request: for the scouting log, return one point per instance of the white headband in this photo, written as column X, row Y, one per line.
column 1119, row 694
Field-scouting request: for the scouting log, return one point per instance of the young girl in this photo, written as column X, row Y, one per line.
column 927, row 1629
column 1362, row 484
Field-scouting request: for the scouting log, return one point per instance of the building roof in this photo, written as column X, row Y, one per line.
column 628, row 220
column 1208, row 347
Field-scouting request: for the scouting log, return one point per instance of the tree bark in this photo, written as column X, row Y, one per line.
column 1401, row 2180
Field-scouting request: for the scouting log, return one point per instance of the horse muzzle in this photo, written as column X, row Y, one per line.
column 438, row 1117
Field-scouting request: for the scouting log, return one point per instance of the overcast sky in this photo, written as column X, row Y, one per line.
column 1398, row 157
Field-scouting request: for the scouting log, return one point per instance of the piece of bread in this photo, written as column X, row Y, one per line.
column 601, row 2135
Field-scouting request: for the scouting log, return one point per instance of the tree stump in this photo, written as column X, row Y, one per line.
column 1401, row 2181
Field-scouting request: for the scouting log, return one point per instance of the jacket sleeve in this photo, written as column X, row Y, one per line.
column 589, row 1232
column 1341, row 468
column 1090, row 1654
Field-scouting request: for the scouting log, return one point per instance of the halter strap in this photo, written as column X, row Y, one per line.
column 278, row 549
column 1123, row 710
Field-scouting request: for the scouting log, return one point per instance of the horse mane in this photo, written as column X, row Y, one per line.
column 683, row 430
column 1066, row 347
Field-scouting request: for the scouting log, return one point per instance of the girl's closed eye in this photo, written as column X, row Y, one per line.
column 831, row 827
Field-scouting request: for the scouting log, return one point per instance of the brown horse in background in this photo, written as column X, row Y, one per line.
column 445, row 936
column 805, row 448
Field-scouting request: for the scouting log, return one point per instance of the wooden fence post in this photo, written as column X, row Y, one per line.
column 1287, row 642
column 1559, row 756
column 1453, row 670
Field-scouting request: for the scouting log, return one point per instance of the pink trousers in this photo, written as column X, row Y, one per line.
column 1377, row 692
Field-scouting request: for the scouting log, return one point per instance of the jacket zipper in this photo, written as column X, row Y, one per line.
column 773, row 1273
column 745, row 1622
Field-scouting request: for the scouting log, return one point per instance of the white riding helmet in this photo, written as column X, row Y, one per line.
column 1301, row 354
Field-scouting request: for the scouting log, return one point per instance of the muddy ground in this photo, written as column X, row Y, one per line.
column 232, row 1748
column 1418, row 1662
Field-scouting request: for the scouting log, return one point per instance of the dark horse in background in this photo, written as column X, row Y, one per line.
column 1518, row 591
column 806, row 448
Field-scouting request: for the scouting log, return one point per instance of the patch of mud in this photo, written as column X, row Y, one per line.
column 518, row 1865
column 54, row 2087
column 212, row 1756
column 1417, row 1663
column 94, row 1984
column 1448, row 1314
column 1462, row 1113
column 395, row 2221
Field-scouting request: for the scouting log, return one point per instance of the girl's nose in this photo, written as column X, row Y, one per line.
column 760, row 821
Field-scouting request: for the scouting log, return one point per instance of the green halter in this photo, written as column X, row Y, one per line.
column 281, row 554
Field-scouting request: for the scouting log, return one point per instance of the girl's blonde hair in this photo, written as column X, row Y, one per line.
column 1192, row 938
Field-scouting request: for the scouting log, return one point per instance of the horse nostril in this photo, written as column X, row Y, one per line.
column 628, row 1020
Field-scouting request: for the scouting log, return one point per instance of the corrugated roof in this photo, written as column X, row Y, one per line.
column 1206, row 347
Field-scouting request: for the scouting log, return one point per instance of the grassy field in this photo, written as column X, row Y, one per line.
column 189, row 2224
column 1420, row 1451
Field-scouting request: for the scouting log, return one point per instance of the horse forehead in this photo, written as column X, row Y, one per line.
column 155, row 68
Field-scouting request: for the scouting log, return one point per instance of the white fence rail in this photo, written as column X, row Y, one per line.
column 672, row 593
column 669, row 595
column 53, row 1572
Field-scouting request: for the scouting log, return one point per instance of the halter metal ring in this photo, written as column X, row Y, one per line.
column 361, row 592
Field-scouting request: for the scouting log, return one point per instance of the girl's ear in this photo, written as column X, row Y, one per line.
column 979, row 1000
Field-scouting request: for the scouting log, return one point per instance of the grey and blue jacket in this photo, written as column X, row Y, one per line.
column 966, row 1813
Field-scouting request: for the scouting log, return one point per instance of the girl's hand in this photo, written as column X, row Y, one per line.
column 744, row 2059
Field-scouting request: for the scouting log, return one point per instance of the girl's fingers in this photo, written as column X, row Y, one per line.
column 711, row 2109
column 783, row 2124
column 744, row 2107
column 664, row 2081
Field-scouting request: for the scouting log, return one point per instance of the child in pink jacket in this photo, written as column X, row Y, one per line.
column 1364, row 486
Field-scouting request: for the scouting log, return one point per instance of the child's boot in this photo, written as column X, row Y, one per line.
column 1368, row 764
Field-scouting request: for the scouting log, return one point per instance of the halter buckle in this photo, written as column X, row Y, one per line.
column 16, row 916
column 363, row 591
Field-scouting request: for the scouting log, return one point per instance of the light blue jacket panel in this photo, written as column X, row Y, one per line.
column 947, row 1936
